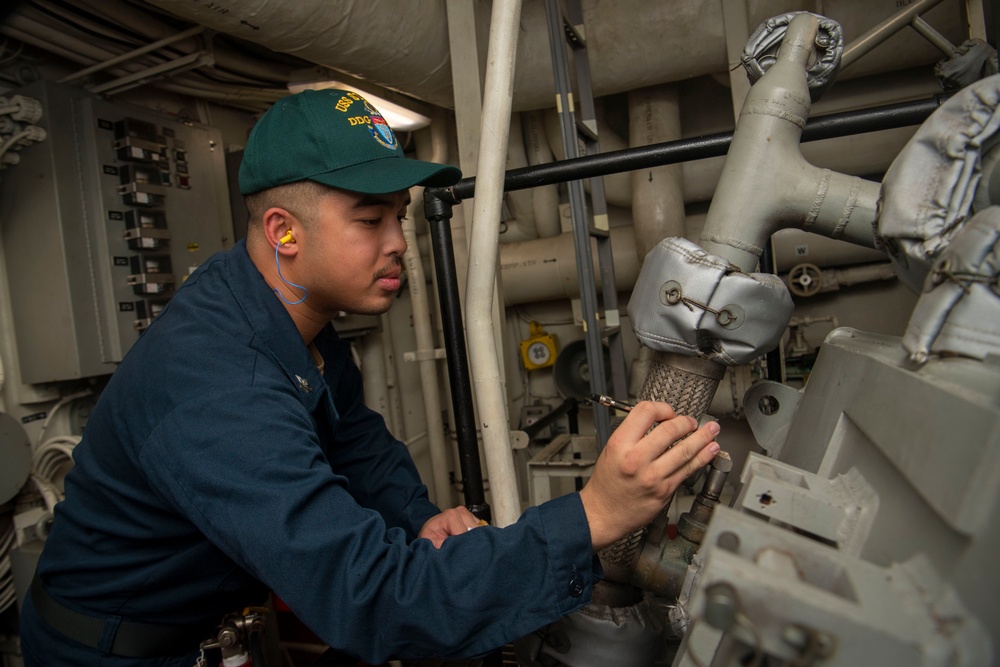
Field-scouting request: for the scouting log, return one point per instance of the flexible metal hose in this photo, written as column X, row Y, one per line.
column 688, row 384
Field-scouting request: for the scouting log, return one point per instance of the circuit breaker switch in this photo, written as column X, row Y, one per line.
column 151, row 274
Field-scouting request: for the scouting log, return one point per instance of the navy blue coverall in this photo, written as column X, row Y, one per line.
column 219, row 464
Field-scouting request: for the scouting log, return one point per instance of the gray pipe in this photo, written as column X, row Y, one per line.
column 766, row 184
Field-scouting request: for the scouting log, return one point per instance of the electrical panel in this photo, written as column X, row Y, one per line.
column 101, row 223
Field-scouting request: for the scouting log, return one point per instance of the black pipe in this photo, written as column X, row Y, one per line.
column 713, row 145
column 438, row 210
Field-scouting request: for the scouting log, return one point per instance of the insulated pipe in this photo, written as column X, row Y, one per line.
column 766, row 184
column 657, row 192
column 545, row 269
column 486, row 374
column 440, row 201
column 546, row 198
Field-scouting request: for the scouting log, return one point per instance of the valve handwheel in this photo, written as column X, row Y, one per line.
column 805, row 280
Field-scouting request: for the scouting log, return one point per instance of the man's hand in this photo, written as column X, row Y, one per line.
column 636, row 473
column 455, row 521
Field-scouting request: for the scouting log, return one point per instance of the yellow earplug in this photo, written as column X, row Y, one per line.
column 287, row 238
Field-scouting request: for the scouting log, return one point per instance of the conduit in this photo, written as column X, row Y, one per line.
column 425, row 354
column 657, row 192
column 483, row 251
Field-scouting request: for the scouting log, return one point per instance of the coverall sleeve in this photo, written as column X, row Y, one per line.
column 261, row 489
column 380, row 470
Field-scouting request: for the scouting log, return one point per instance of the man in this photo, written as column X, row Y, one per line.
column 231, row 453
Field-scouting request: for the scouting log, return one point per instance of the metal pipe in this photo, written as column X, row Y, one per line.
column 883, row 31
column 713, row 145
column 486, row 374
column 933, row 36
column 438, row 205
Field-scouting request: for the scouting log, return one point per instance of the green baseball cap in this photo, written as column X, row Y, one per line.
column 334, row 137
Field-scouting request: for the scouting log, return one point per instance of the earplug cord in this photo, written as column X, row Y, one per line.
column 290, row 284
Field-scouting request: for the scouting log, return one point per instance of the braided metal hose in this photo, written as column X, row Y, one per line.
column 688, row 384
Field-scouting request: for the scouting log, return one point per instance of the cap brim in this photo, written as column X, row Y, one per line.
column 390, row 174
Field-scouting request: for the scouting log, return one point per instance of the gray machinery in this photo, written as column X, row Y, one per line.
column 869, row 533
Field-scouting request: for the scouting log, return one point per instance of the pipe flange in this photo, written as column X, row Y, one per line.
column 762, row 48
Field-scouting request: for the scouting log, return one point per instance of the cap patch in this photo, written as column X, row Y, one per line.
column 373, row 120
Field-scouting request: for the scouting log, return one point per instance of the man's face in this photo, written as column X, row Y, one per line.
column 351, row 256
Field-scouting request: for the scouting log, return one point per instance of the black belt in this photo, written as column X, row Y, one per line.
column 131, row 639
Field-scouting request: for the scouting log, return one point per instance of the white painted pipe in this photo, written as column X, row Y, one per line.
column 657, row 192
column 483, row 353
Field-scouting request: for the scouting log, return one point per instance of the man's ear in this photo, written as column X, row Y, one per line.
column 280, row 229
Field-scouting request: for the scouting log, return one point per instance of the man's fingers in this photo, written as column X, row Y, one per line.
column 669, row 432
column 694, row 452
column 641, row 418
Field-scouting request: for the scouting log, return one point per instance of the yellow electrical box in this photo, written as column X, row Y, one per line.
column 539, row 350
